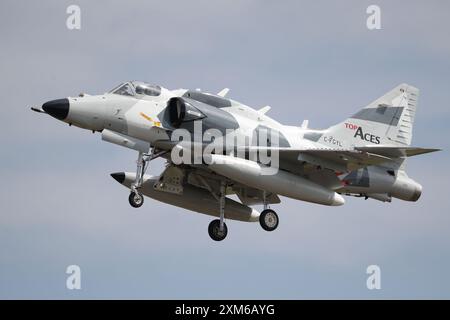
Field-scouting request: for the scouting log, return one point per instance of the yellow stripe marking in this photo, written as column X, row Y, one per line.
column 156, row 123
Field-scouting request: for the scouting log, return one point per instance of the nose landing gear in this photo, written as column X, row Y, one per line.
column 136, row 199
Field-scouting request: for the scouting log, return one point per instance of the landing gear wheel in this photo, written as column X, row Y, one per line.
column 268, row 220
column 136, row 199
column 214, row 230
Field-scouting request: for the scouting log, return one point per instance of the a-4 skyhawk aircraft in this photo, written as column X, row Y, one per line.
column 215, row 147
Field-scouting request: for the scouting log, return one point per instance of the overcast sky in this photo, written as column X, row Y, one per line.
column 311, row 60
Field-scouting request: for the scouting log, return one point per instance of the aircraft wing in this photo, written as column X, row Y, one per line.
column 347, row 159
column 396, row 152
column 340, row 160
column 337, row 160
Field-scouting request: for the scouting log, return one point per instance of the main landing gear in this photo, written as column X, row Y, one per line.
column 217, row 229
column 268, row 219
column 215, row 232
column 136, row 199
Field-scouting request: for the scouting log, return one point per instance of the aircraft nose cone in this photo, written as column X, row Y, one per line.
column 58, row 109
column 119, row 176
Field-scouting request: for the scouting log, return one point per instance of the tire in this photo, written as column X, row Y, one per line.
column 136, row 200
column 268, row 220
column 214, row 230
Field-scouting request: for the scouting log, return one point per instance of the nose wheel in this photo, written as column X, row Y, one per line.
column 136, row 199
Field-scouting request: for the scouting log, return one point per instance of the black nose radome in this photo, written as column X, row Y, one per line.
column 57, row 108
column 119, row 176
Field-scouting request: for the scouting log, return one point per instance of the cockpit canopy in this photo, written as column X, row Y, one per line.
column 137, row 89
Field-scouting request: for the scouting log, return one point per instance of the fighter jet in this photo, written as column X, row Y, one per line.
column 223, row 157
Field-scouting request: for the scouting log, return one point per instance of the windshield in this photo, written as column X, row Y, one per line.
column 137, row 87
column 124, row 89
